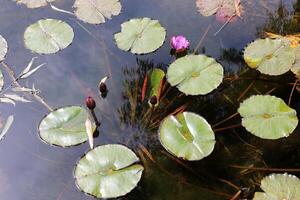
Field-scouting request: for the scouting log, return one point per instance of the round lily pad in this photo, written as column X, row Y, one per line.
column 279, row 186
column 140, row 36
column 296, row 66
column 187, row 135
column 3, row 48
column 95, row 11
column 65, row 127
column 48, row 36
column 268, row 117
column 270, row 56
column 108, row 171
column 195, row 74
column 34, row 3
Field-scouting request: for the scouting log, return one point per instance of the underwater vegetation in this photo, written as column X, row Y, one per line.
column 170, row 106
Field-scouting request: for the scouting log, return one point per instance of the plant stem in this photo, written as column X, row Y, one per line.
column 292, row 92
column 95, row 118
column 264, row 169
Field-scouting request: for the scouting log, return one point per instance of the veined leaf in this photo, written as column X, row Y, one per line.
column 268, row 117
column 187, row 135
column 195, row 74
column 108, row 171
column 279, row 186
column 65, row 126
column 140, row 36
column 48, row 36
column 95, row 11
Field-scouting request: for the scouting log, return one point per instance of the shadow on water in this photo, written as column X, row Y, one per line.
column 31, row 170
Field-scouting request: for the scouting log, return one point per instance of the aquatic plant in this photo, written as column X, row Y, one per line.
column 140, row 36
column 195, row 74
column 279, row 186
column 187, row 135
column 48, row 36
column 179, row 43
column 108, row 171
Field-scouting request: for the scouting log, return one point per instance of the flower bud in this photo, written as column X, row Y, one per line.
column 90, row 103
column 102, row 88
column 153, row 100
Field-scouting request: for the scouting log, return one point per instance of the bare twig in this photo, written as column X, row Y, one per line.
column 16, row 83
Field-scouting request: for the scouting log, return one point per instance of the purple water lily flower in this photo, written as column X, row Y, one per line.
column 179, row 43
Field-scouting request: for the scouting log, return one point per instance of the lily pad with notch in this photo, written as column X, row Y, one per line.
column 65, row 127
column 95, row 11
column 224, row 9
column 268, row 117
column 108, row 171
column 270, row 56
column 187, row 136
column 279, row 186
column 140, row 36
column 195, row 74
column 48, row 36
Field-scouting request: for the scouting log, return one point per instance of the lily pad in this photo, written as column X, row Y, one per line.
column 48, row 36
column 155, row 84
column 224, row 9
column 187, row 135
column 3, row 48
column 95, row 11
column 270, row 56
column 108, row 171
column 140, row 36
column 296, row 66
column 65, row 127
column 1, row 80
column 279, row 186
column 34, row 3
column 195, row 74
column 268, row 117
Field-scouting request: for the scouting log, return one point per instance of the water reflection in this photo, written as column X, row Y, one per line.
column 31, row 170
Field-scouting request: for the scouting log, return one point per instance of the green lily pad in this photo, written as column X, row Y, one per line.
column 48, row 36
column 195, row 74
column 3, row 48
column 279, row 187
column 155, row 82
column 65, row 127
column 187, row 136
column 108, row 171
column 95, row 11
column 296, row 66
column 1, row 80
column 34, row 3
column 270, row 56
column 268, row 117
column 140, row 36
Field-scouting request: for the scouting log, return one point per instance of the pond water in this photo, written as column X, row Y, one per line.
column 33, row 170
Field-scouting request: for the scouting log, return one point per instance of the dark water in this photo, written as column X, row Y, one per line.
column 32, row 170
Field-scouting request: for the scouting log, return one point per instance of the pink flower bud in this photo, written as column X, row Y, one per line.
column 179, row 43
column 90, row 103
